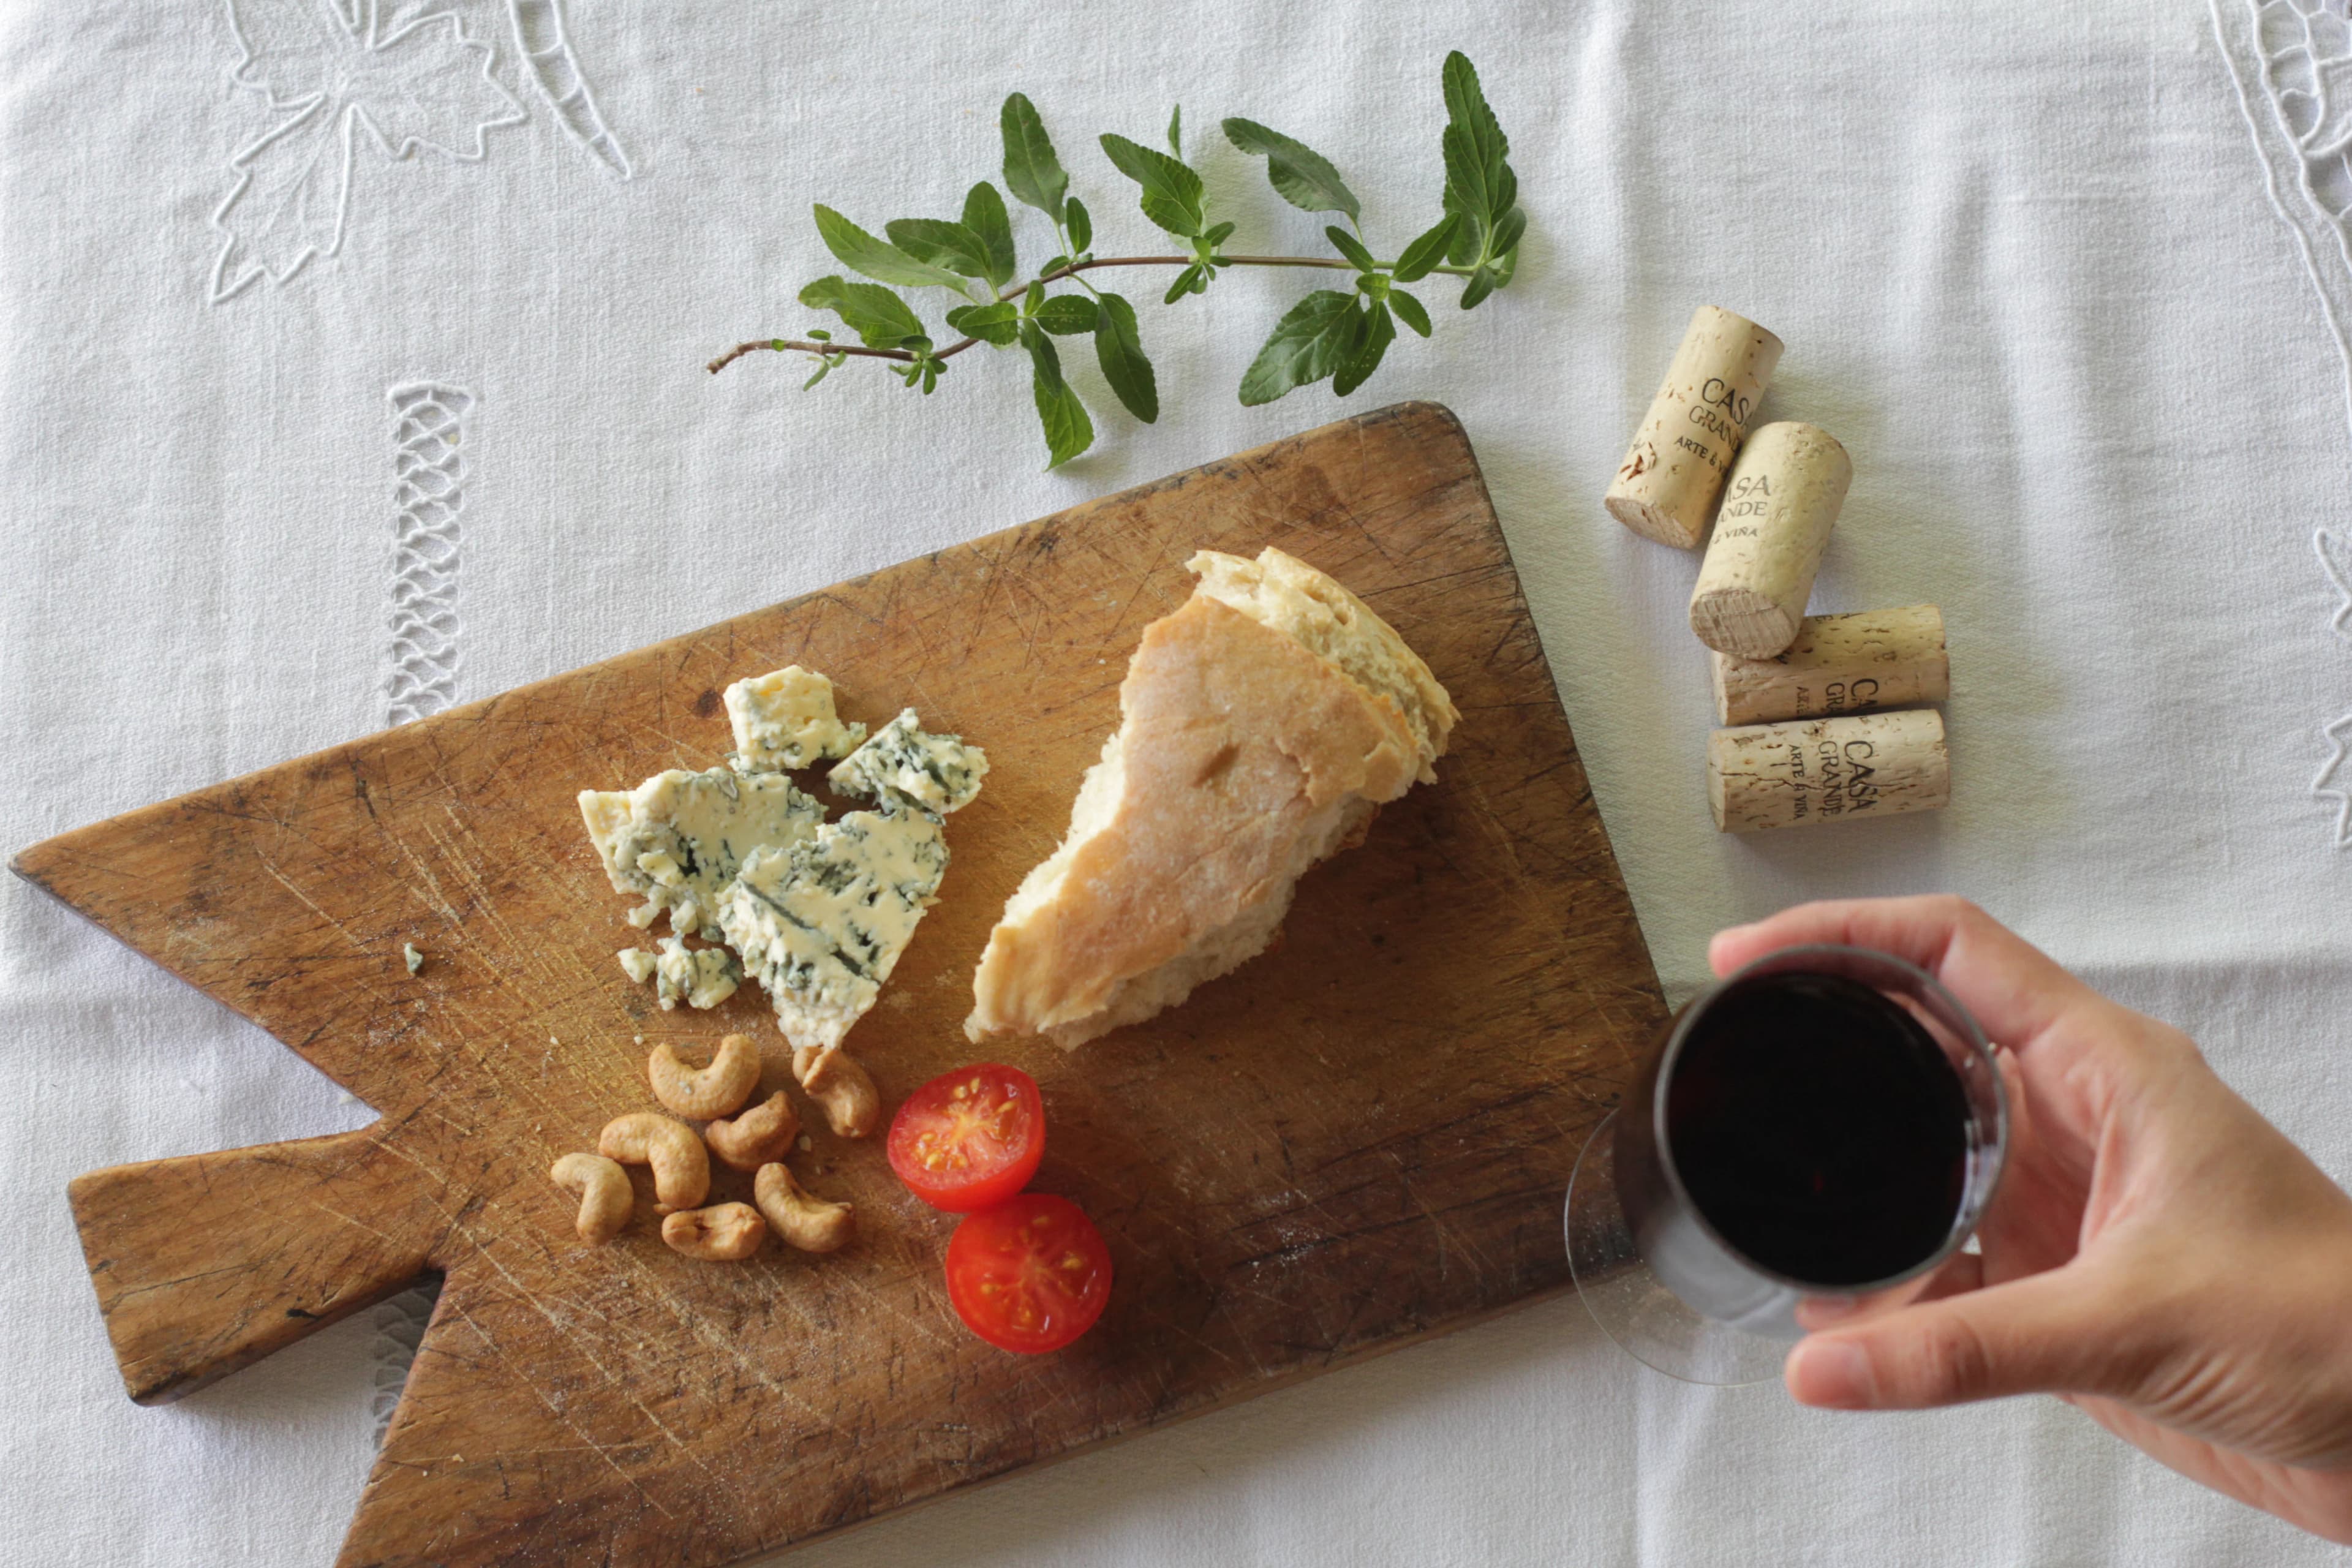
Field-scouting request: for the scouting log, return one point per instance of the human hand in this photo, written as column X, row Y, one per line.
column 2157, row 1253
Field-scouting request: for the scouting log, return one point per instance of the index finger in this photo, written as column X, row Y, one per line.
column 2015, row 990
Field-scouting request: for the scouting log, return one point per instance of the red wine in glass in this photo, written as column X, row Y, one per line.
column 1828, row 1122
column 1819, row 1128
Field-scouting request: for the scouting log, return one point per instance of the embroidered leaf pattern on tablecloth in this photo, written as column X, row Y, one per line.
column 2291, row 62
column 330, row 70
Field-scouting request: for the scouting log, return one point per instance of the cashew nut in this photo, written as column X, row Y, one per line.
column 604, row 1196
column 723, row 1232
column 681, row 1170
column 808, row 1222
column 719, row 1089
column 760, row 1134
column 852, row 1105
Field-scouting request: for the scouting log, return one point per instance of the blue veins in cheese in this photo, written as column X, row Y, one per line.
column 784, row 719
column 905, row 766
column 679, row 838
column 820, row 924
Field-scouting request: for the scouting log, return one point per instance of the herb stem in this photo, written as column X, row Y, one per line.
column 787, row 345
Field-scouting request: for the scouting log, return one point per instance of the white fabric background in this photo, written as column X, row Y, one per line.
column 2024, row 264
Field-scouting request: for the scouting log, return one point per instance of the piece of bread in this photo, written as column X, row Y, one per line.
column 1261, row 725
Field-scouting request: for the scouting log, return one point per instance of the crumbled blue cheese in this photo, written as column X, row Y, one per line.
column 637, row 962
column 784, row 719
column 905, row 765
column 679, row 838
column 700, row 977
column 822, row 924
column 411, row 957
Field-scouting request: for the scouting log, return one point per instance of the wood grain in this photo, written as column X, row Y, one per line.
column 1360, row 1139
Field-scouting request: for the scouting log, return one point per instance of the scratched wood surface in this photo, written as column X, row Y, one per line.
column 1358, row 1140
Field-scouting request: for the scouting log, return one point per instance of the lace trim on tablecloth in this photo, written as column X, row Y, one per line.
column 2292, row 63
column 428, row 465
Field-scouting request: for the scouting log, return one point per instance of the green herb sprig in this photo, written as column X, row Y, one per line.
column 1339, row 334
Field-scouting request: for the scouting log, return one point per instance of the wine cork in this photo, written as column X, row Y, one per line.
column 1828, row 770
column 1778, row 509
column 1839, row 664
column 1673, row 474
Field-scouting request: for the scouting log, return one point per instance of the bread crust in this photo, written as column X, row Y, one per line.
column 1235, row 741
column 1317, row 611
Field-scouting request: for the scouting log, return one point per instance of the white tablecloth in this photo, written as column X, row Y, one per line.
column 2025, row 262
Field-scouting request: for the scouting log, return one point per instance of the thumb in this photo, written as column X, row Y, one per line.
column 2044, row 1333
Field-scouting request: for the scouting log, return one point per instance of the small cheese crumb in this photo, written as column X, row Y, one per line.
column 700, row 977
column 785, row 719
column 638, row 963
column 413, row 959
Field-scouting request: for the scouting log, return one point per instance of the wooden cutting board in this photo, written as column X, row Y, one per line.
column 1358, row 1140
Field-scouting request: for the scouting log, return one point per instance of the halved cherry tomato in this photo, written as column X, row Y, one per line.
column 970, row 1138
column 1031, row 1274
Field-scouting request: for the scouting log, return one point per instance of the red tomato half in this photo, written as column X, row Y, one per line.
column 970, row 1138
column 1031, row 1274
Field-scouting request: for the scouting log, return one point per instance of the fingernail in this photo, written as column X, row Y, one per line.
column 1835, row 1373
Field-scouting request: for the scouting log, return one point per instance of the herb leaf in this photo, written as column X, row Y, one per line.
column 1310, row 342
column 1465, row 108
column 876, row 258
column 1118, row 349
column 1508, row 229
column 1031, row 172
column 1408, row 309
column 876, row 315
column 1082, row 227
column 1466, row 178
column 1176, row 133
column 1187, row 281
column 1426, row 251
column 985, row 215
column 1350, row 247
column 1365, row 357
column 1172, row 191
column 948, row 245
column 999, row 323
column 1065, row 315
column 1068, row 431
column 1481, row 284
column 1480, row 187
column 1299, row 175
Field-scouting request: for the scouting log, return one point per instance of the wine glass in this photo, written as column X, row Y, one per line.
column 1776, row 1087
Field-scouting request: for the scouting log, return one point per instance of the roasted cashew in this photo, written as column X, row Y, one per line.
column 604, row 1196
column 681, row 1170
column 719, row 1089
column 808, row 1222
column 760, row 1134
column 723, row 1232
column 852, row 1104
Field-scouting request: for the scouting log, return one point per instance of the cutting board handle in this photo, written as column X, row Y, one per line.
column 206, row 1263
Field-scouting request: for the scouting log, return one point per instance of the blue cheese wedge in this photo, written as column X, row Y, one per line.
column 822, row 923
column 784, row 719
column 679, row 838
column 905, row 766
column 700, row 977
